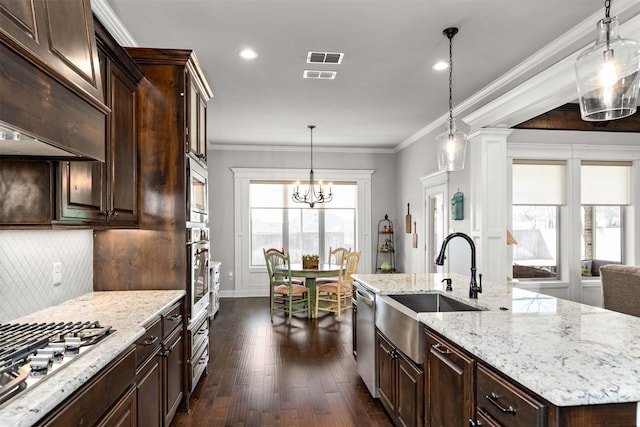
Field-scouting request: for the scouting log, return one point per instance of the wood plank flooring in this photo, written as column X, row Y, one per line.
column 264, row 374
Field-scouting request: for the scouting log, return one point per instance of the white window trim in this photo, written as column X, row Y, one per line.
column 573, row 154
column 250, row 281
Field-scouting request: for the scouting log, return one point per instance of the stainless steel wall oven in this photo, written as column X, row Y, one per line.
column 198, row 271
column 197, row 192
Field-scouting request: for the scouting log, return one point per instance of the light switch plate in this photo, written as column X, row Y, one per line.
column 57, row 273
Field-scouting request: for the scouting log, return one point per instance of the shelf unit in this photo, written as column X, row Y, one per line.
column 385, row 247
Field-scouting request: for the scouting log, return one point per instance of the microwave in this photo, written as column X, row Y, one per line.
column 197, row 192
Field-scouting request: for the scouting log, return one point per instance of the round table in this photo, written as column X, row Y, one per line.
column 310, row 275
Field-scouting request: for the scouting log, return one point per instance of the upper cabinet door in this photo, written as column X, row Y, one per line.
column 197, row 114
column 57, row 36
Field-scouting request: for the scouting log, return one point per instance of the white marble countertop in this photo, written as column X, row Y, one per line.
column 125, row 311
column 568, row 353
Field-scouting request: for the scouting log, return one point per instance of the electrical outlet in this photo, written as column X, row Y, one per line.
column 230, row 275
column 57, row 273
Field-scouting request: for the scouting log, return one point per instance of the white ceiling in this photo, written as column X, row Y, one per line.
column 385, row 91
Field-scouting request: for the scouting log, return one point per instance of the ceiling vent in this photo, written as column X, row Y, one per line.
column 321, row 75
column 324, row 57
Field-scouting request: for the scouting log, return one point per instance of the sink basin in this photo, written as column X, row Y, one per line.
column 397, row 318
column 421, row 303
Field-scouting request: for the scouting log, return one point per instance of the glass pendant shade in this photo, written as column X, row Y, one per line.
column 608, row 75
column 452, row 147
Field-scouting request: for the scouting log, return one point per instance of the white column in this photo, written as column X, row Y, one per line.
column 489, row 202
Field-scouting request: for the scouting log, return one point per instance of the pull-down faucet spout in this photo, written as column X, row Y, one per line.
column 474, row 288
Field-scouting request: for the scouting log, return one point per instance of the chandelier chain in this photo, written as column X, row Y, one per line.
column 607, row 8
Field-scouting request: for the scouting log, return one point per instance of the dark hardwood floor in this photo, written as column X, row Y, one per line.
column 264, row 374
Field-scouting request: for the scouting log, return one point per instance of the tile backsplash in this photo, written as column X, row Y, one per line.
column 26, row 269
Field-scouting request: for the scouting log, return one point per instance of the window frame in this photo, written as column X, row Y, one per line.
column 249, row 281
column 573, row 147
column 289, row 206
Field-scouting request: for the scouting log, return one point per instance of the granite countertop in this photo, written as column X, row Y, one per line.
column 570, row 354
column 125, row 311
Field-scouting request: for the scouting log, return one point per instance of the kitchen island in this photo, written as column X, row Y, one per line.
column 569, row 354
column 127, row 312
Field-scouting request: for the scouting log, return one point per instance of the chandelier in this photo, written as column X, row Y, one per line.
column 311, row 196
column 608, row 74
column 451, row 144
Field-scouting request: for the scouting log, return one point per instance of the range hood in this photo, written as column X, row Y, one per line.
column 14, row 142
column 46, row 117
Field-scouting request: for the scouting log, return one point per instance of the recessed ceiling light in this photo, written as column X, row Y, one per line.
column 248, row 54
column 440, row 65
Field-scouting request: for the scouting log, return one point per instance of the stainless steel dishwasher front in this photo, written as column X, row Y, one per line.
column 366, row 337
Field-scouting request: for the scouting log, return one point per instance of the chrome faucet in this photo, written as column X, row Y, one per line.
column 474, row 288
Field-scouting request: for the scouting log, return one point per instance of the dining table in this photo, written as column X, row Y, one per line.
column 310, row 275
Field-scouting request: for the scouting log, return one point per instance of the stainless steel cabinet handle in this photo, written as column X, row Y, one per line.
column 493, row 398
column 151, row 341
column 440, row 349
column 174, row 317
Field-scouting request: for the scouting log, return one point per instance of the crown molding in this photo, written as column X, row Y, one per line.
column 112, row 23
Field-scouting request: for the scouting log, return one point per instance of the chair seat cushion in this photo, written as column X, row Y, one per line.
column 332, row 288
column 324, row 281
column 295, row 289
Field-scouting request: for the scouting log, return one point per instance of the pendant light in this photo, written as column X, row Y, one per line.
column 311, row 196
column 452, row 144
column 607, row 74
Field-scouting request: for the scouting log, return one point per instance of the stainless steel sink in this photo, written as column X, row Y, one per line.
column 421, row 303
column 397, row 318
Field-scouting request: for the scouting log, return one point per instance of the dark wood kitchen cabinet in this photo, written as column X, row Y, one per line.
column 400, row 384
column 173, row 365
column 149, row 376
column 197, row 117
column 106, row 193
column 450, row 383
column 157, row 258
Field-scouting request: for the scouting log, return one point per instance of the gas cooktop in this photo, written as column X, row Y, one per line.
column 29, row 352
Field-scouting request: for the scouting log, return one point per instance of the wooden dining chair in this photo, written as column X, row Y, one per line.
column 335, row 257
column 336, row 296
column 281, row 252
column 621, row 288
column 286, row 297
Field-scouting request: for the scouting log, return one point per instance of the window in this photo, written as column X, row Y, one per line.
column 538, row 193
column 278, row 222
column 605, row 189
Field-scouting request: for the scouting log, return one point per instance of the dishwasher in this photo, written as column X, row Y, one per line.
column 366, row 337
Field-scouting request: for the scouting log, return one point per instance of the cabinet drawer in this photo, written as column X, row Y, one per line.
column 171, row 320
column 149, row 342
column 198, row 335
column 506, row 402
column 197, row 366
